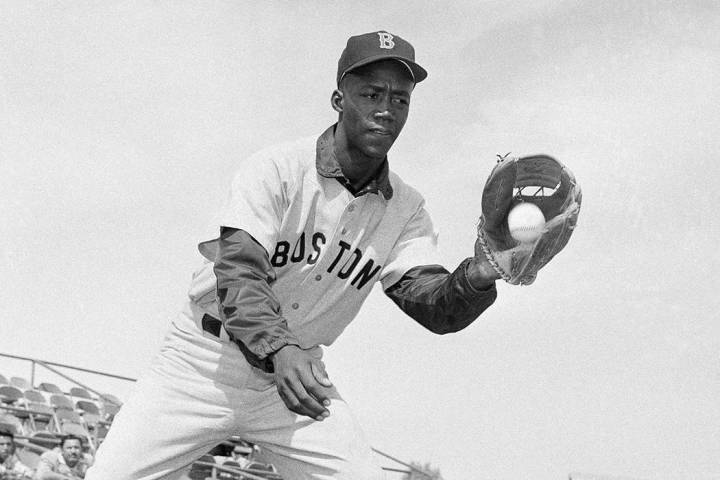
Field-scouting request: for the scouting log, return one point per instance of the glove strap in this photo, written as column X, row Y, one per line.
column 488, row 253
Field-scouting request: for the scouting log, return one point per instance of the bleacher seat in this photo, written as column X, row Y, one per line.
column 21, row 383
column 87, row 407
column 262, row 467
column 201, row 472
column 21, row 412
column 101, row 432
column 66, row 415
column 42, row 408
column 79, row 392
column 50, row 388
column 222, row 475
column 110, row 398
column 61, row 401
column 45, row 439
column 10, row 422
column 41, row 415
column 71, row 428
column 91, row 419
column 109, row 410
column 10, row 394
column 35, row 396
column 3, row 380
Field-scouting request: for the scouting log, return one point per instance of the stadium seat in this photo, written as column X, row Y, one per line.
column 263, row 467
column 110, row 398
column 21, row 412
column 65, row 415
column 10, row 394
column 230, row 475
column 50, row 388
column 92, row 424
column 45, row 439
column 21, row 383
column 109, row 410
column 70, row 428
column 3, row 380
column 41, row 415
column 79, row 392
column 35, row 396
column 10, row 422
column 101, row 432
column 61, row 401
column 87, row 407
column 201, row 472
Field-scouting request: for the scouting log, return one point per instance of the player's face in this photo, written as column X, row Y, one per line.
column 71, row 450
column 5, row 448
column 374, row 103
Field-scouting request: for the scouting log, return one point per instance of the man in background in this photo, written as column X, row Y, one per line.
column 11, row 468
column 242, row 454
column 65, row 463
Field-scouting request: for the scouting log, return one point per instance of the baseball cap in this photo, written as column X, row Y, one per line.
column 375, row 46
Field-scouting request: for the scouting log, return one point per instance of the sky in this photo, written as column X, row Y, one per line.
column 121, row 124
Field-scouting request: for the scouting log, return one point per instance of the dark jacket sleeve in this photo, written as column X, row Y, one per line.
column 248, row 307
column 441, row 301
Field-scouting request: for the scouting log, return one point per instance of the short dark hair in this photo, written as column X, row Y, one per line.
column 7, row 433
column 70, row 436
column 365, row 69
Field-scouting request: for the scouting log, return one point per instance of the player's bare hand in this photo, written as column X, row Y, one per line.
column 302, row 382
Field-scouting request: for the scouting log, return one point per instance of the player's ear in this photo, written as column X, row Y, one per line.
column 336, row 101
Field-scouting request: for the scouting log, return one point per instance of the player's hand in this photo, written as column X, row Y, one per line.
column 479, row 271
column 302, row 382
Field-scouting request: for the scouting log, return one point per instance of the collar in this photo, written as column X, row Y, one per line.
column 328, row 166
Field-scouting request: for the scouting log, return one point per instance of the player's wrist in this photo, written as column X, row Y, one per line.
column 282, row 352
column 480, row 274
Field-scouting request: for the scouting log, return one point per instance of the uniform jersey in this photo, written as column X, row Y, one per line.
column 328, row 247
column 314, row 250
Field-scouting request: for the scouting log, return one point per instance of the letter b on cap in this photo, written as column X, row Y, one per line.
column 386, row 40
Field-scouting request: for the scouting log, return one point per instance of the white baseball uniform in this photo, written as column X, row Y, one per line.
column 328, row 248
column 324, row 245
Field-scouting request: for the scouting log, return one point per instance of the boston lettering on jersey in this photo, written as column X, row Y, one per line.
column 343, row 265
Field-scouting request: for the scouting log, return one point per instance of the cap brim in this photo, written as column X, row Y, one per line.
column 418, row 73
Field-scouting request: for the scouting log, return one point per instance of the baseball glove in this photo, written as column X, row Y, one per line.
column 539, row 179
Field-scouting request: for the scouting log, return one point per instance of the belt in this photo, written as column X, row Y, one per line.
column 214, row 327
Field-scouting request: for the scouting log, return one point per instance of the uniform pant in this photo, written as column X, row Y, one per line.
column 200, row 391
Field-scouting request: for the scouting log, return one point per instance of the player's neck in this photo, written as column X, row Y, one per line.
column 357, row 167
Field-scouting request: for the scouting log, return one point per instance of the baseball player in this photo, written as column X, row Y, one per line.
column 308, row 229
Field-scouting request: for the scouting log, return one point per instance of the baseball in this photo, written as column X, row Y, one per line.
column 525, row 222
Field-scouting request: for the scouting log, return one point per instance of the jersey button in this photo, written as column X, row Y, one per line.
column 351, row 208
column 295, row 306
column 318, row 277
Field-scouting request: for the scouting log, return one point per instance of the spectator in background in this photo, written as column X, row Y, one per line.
column 65, row 463
column 11, row 468
column 242, row 453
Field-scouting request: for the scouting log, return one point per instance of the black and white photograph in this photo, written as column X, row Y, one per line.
column 374, row 240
